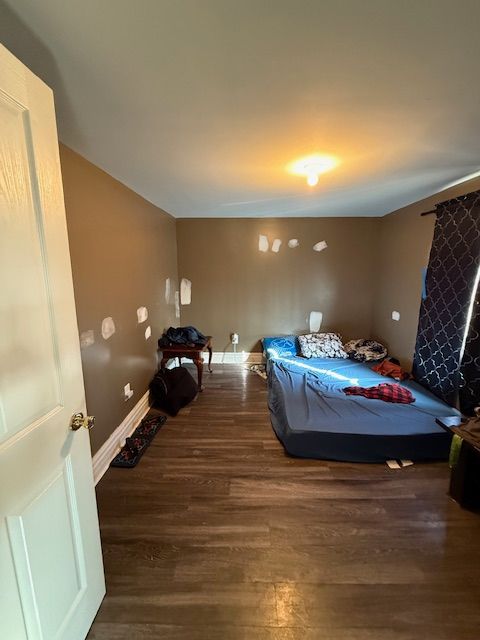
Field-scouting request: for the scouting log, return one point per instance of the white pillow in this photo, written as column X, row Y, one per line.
column 321, row 345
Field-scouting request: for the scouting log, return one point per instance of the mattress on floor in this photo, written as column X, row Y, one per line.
column 314, row 418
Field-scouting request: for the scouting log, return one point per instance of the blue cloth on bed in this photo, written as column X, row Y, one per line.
column 278, row 346
column 314, row 418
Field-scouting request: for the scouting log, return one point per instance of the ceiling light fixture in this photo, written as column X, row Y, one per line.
column 312, row 166
column 312, row 179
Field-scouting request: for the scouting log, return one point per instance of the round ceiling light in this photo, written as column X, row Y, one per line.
column 310, row 167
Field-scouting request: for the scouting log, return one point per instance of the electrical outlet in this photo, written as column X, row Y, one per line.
column 234, row 338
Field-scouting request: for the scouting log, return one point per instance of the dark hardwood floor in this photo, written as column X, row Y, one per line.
column 218, row 535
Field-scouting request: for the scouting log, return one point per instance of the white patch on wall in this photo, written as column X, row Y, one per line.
column 87, row 338
column 168, row 288
column 320, row 246
column 293, row 243
column 395, row 315
column 185, row 291
column 127, row 392
column 108, row 328
column 276, row 244
column 148, row 332
column 142, row 314
column 263, row 243
column 177, row 304
column 315, row 321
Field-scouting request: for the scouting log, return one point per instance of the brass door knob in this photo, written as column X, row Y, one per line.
column 79, row 420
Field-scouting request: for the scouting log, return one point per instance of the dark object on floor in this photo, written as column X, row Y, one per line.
column 192, row 353
column 136, row 445
column 172, row 389
column 313, row 418
column 384, row 391
column 189, row 336
column 465, row 473
column 465, row 477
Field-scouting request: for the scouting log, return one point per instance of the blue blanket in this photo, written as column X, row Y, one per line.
column 314, row 418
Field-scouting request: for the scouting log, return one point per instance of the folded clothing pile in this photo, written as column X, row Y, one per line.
column 189, row 336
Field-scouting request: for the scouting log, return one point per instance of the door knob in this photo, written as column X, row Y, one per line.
column 79, row 420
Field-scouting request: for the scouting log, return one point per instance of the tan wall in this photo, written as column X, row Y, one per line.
column 122, row 250
column 405, row 241
column 237, row 288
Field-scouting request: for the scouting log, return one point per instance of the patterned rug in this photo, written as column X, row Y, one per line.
column 259, row 369
column 136, row 445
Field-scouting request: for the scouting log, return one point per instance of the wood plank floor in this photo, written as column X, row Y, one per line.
column 218, row 535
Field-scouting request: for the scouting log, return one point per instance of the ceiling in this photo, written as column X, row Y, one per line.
column 199, row 105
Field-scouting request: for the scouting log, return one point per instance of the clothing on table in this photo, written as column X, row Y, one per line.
column 189, row 336
column 384, row 391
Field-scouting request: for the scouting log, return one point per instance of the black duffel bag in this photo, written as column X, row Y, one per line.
column 172, row 389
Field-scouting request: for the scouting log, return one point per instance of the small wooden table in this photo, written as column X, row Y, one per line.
column 192, row 353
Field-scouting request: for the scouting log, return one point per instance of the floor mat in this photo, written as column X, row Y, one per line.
column 259, row 369
column 136, row 445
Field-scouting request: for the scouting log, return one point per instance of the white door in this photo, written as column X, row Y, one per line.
column 51, row 573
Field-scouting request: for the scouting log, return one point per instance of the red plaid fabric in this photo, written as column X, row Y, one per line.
column 385, row 391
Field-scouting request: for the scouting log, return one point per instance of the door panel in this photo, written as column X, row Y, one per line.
column 27, row 339
column 51, row 578
column 51, row 572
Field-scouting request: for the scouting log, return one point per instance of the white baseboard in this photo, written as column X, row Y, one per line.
column 228, row 357
column 106, row 453
column 224, row 357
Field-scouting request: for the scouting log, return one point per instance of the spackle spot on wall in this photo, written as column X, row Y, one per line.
column 315, row 321
column 293, row 243
column 177, row 304
column 185, row 291
column 87, row 338
column 168, row 287
column 142, row 314
column 276, row 244
column 320, row 246
column 108, row 328
column 148, row 332
column 395, row 315
column 263, row 243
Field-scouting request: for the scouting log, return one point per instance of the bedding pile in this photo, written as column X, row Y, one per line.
column 365, row 350
column 391, row 369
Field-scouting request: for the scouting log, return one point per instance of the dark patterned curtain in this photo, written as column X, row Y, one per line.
column 444, row 313
column 470, row 366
